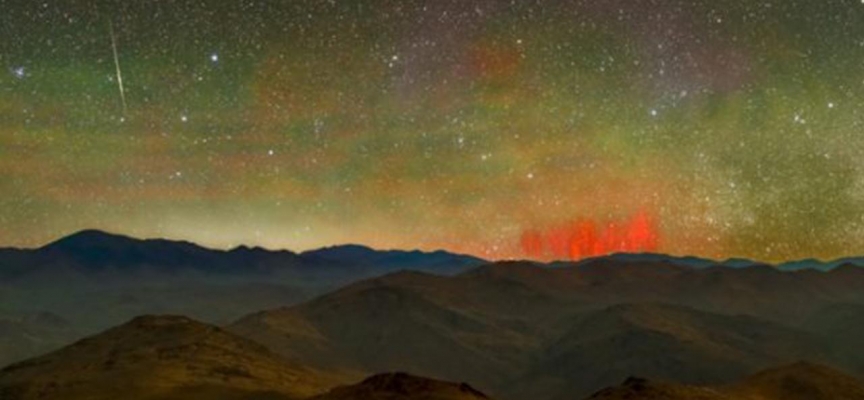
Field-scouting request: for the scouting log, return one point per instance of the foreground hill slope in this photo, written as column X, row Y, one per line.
column 520, row 330
column 23, row 336
column 375, row 327
column 641, row 389
column 401, row 386
column 663, row 342
column 844, row 325
column 800, row 381
column 160, row 358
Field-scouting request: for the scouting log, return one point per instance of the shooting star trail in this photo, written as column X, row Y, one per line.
column 117, row 66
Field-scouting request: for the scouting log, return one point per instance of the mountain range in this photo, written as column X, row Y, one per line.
column 94, row 280
column 698, row 262
column 330, row 318
column 174, row 357
column 518, row 330
column 95, row 252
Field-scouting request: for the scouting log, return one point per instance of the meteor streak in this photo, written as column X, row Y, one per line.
column 117, row 66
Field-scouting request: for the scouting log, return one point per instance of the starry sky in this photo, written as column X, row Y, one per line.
column 521, row 128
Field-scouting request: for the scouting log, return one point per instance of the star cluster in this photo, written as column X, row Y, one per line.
column 735, row 125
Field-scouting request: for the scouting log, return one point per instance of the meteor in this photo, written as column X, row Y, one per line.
column 117, row 66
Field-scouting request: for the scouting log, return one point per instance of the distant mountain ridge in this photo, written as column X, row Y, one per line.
column 439, row 261
column 700, row 263
column 95, row 279
column 96, row 250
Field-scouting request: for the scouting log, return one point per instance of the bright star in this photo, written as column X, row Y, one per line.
column 19, row 72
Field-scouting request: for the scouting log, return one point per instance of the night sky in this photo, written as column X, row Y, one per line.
column 542, row 129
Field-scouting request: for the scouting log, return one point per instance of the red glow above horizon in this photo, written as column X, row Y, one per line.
column 586, row 238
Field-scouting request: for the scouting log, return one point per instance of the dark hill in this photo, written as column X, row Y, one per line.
column 162, row 357
column 400, row 386
column 382, row 325
column 642, row 389
column 799, row 381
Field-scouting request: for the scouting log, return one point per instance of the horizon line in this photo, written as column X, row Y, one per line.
column 425, row 251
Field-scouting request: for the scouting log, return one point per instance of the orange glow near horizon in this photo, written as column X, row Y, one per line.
column 586, row 238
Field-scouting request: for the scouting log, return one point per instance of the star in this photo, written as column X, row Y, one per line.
column 466, row 115
column 19, row 72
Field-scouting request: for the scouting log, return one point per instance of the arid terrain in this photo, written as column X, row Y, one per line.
column 510, row 330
